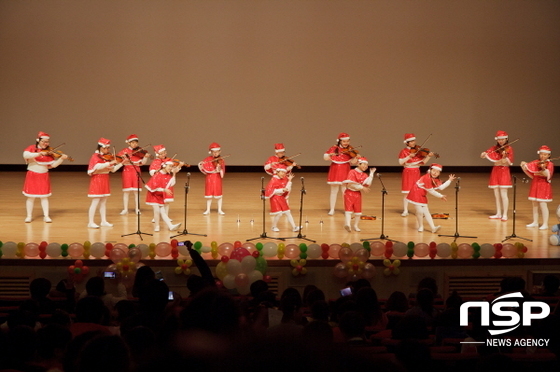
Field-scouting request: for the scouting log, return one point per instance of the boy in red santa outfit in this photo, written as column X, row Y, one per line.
column 133, row 159
column 37, row 182
column 277, row 192
column 214, row 167
column 356, row 182
column 159, row 189
column 428, row 183
column 540, row 171
column 273, row 161
column 100, row 164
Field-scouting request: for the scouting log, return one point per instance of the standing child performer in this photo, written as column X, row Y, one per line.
column 277, row 191
column 355, row 182
column 411, row 160
column 273, row 161
column 214, row 167
column 158, row 189
column 100, row 164
column 37, row 182
column 155, row 166
column 501, row 155
column 133, row 157
column 428, row 183
column 341, row 156
column 540, row 171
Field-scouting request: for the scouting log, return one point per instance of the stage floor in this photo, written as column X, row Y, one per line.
column 69, row 206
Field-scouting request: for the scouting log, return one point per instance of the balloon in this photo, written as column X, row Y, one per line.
column 254, row 276
column 53, row 250
column 9, row 250
column 340, row 270
column 75, row 250
column 239, row 253
column 421, row 249
column 205, row 249
column 122, row 246
column 250, row 247
column 229, row 281
column 377, row 248
column 368, row 271
column 291, row 251
column 163, row 249
column 356, row 246
column 248, row 264
column 362, row 255
column 270, row 249
column 97, row 250
column 241, row 280
column 225, row 249
column 509, row 250
column 233, row 267
column 221, row 270
column 464, row 250
column 345, row 254
column 31, row 249
column 261, row 265
column 399, row 249
column 487, row 250
column 333, row 250
column 134, row 254
column 117, row 255
column 314, row 250
column 144, row 248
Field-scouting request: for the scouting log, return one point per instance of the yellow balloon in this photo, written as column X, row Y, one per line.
column 294, row 263
column 397, row 263
column 214, row 245
column 295, row 272
column 280, row 256
column 396, row 271
column 180, row 262
column 303, row 271
column 303, row 262
column 188, row 262
column 386, row 262
column 178, row 270
column 152, row 254
column 188, row 272
column 387, row 272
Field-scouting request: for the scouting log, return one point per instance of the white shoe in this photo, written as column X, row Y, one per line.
column 436, row 229
column 356, row 228
column 205, row 213
column 297, row 228
column 534, row 224
column 28, row 219
column 138, row 211
column 347, row 228
column 106, row 224
column 543, row 227
column 420, row 229
column 404, row 214
column 331, row 212
column 504, row 218
column 275, row 229
column 156, row 229
column 495, row 217
column 123, row 212
column 174, row 227
column 47, row 219
column 93, row 226
column 153, row 220
column 221, row 212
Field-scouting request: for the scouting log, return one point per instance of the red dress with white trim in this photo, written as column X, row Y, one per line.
column 37, row 181
column 129, row 174
column 213, row 183
column 274, row 191
column 541, row 187
column 99, row 182
column 340, row 165
column 426, row 184
column 411, row 171
column 272, row 163
column 156, row 188
column 500, row 176
column 355, row 182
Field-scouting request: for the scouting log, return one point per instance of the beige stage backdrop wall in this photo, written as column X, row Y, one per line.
column 250, row 73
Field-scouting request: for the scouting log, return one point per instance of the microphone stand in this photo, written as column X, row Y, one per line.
column 299, row 236
column 263, row 235
column 383, row 193
column 185, row 231
column 139, row 178
column 514, row 213
column 456, row 235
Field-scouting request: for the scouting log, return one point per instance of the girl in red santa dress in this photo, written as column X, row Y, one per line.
column 501, row 155
column 100, row 164
column 155, row 166
column 428, row 183
column 37, row 182
column 356, row 182
column 159, row 189
column 279, row 157
column 540, row 171
column 133, row 157
column 411, row 160
column 341, row 156
column 277, row 192
column 214, row 167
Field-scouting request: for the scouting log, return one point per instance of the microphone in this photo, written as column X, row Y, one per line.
column 188, row 174
column 301, row 178
column 524, row 180
column 458, row 178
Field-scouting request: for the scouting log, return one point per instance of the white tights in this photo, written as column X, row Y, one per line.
column 423, row 211
column 334, row 192
column 30, row 202
column 502, row 202
column 102, row 204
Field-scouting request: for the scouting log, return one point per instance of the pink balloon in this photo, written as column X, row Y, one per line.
column 135, row 254
column 291, row 251
column 250, row 247
column 362, row 254
column 340, row 270
column 421, row 249
column 31, row 249
column 225, row 249
column 377, row 248
column 163, row 249
column 333, row 250
column 509, row 250
column 117, row 255
column 241, row 280
column 345, row 254
column 368, row 271
column 238, row 253
column 75, row 250
column 464, row 250
column 122, row 246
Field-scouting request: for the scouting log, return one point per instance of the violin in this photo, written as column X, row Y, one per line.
column 503, row 150
column 140, row 151
column 218, row 160
column 56, row 153
column 352, row 151
column 287, row 161
column 370, row 218
column 177, row 162
column 442, row 216
column 107, row 157
column 543, row 164
column 422, row 151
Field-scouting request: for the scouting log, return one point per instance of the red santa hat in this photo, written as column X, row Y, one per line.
column 214, row 147
column 343, row 136
column 279, row 147
column 545, row 149
column 439, row 167
column 42, row 135
column 501, row 135
column 409, row 137
column 132, row 137
column 159, row 149
column 362, row 160
column 280, row 168
column 104, row 142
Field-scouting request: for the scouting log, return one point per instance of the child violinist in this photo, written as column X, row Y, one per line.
column 100, row 164
column 133, row 157
column 341, row 156
column 540, row 171
column 277, row 192
column 356, row 182
column 411, row 160
column 39, row 160
column 273, row 161
column 428, row 183
column 501, row 155
column 214, row 168
column 155, row 166
column 159, row 188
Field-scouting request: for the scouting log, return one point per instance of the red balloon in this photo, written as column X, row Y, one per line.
column 324, row 247
column 389, row 244
column 237, row 244
column 107, row 252
column 325, row 255
column 174, row 243
column 267, row 278
column 71, row 269
column 239, row 253
column 256, row 254
column 109, row 246
column 43, row 254
column 85, row 270
column 224, row 259
column 498, row 254
column 498, row 246
column 43, row 245
column 79, row 263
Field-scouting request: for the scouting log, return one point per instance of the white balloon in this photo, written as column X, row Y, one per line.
column 9, row 250
column 443, row 250
column 487, row 250
column 233, row 267
column 248, row 264
column 314, row 251
column 356, row 246
column 53, row 250
column 270, row 249
column 144, row 248
column 399, row 249
column 254, row 276
column 229, row 281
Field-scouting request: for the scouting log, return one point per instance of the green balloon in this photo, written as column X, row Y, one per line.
column 303, row 247
column 198, row 245
column 476, row 255
column 1, row 244
column 367, row 245
column 303, row 255
column 261, row 265
column 77, row 270
column 259, row 246
column 131, row 246
column 410, row 253
column 64, row 248
column 64, row 253
column 410, row 245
